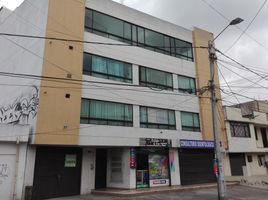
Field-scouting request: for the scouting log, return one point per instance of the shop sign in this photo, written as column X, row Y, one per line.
column 155, row 142
column 70, row 160
column 159, row 182
column 132, row 160
column 197, row 144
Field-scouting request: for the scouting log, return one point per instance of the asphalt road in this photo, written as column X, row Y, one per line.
column 234, row 193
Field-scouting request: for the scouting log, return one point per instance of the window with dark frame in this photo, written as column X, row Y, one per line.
column 157, row 118
column 106, row 113
column 117, row 29
column 155, row 78
column 239, row 129
column 190, row 121
column 186, row 84
column 261, row 160
column 102, row 67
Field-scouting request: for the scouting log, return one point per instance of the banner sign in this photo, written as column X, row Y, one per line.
column 197, row 144
column 154, row 142
column 132, row 160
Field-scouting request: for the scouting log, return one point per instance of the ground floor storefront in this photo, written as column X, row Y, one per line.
column 66, row 171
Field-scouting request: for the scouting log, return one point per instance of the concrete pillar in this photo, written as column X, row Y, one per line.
column 88, row 170
column 174, row 167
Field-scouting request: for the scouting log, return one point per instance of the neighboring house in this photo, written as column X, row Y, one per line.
column 247, row 133
column 135, row 121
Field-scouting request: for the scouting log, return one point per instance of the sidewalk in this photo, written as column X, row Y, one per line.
column 148, row 191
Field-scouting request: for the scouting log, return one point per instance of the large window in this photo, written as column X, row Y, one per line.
column 157, row 118
column 239, row 129
column 190, row 121
column 117, row 29
column 186, row 84
column 106, row 113
column 107, row 68
column 155, row 78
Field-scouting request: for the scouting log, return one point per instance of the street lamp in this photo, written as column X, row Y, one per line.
column 233, row 22
column 217, row 145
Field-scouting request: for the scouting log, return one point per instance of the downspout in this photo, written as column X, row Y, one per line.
column 17, row 168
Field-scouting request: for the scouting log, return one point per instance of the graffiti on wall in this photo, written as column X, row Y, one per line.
column 3, row 172
column 22, row 110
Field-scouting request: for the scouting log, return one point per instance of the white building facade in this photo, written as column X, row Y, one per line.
column 247, row 140
column 116, row 105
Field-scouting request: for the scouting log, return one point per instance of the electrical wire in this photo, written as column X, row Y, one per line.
column 244, row 31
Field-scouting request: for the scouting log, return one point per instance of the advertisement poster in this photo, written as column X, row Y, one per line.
column 171, row 160
column 70, row 160
column 158, row 169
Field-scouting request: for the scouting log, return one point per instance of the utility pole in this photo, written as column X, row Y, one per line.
column 217, row 144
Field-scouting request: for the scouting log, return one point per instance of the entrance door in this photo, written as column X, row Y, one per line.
column 57, row 172
column 264, row 137
column 101, row 168
column 196, row 166
column 142, row 170
column 237, row 161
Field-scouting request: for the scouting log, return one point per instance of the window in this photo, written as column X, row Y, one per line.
column 190, row 121
column 239, row 129
column 107, row 68
column 155, row 78
column 106, row 113
column 261, row 160
column 186, row 84
column 157, row 118
column 256, row 132
column 117, row 29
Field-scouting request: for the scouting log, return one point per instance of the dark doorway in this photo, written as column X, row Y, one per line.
column 196, row 166
column 264, row 137
column 101, row 168
column 57, row 172
column 142, row 170
column 237, row 161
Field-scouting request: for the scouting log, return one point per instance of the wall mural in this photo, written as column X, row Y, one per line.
column 22, row 110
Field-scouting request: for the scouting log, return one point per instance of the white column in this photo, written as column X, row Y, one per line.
column 136, row 116
column 88, row 170
column 174, row 167
column 135, row 74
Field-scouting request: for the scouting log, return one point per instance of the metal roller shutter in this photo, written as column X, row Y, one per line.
column 196, row 166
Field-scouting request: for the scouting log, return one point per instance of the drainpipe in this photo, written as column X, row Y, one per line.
column 17, row 168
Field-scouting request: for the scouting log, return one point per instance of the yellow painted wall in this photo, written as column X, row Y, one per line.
column 201, row 38
column 65, row 20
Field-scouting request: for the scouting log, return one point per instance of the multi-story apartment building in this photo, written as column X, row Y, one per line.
column 246, row 127
column 122, row 109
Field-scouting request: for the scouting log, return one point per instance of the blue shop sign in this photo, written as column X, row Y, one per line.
column 197, row 144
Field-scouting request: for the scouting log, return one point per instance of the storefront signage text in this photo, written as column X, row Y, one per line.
column 154, row 142
column 198, row 144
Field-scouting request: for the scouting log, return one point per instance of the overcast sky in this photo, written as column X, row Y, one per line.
column 251, row 50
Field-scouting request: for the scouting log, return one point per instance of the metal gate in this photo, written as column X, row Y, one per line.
column 196, row 166
column 237, row 161
column 57, row 172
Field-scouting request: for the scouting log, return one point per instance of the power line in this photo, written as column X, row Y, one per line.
column 244, row 31
column 243, row 66
column 83, row 41
column 227, row 84
column 223, row 16
column 242, row 76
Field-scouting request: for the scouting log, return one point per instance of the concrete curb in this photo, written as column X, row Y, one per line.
column 142, row 192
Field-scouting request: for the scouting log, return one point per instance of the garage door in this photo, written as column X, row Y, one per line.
column 196, row 166
column 237, row 161
column 57, row 172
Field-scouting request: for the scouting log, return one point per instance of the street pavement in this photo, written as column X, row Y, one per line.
column 234, row 193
